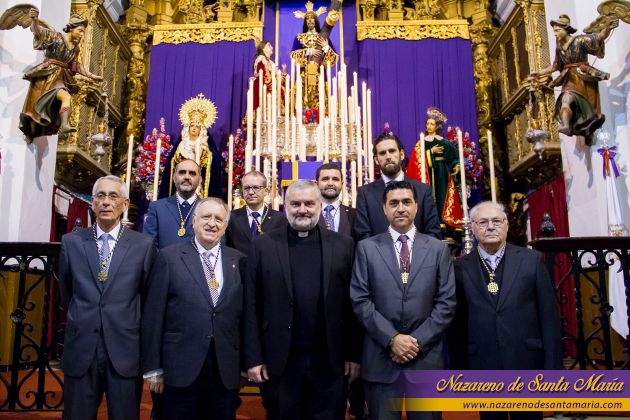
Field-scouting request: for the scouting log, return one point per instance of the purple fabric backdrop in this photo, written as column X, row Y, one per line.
column 179, row 72
column 406, row 77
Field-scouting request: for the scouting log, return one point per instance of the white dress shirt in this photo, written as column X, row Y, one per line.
column 113, row 235
column 399, row 177
column 411, row 236
column 261, row 212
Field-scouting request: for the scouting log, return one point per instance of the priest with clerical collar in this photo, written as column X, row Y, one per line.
column 256, row 217
column 302, row 341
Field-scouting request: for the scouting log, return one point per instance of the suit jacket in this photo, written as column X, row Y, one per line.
column 371, row 219
column 163, row 222
column 268, row 311
column 521, row 330
column 239, row 235
column 115, row 310
column 179, row 319
column 346, row 220
column 423, row 308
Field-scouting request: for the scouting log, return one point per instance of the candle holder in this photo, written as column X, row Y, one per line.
column 468, row 242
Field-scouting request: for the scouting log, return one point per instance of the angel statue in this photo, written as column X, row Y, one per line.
column 196, row 115
column 48, row 101
column 577, row 108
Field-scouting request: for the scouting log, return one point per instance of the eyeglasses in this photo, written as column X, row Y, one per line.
column 100, row 197
column 253, row 188
column 207, row 218
column 483, row 223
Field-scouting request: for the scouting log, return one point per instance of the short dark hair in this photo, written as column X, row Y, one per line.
column 327, row 166
column 387, row 136
column 399, row 185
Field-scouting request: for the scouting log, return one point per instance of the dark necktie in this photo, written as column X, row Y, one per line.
column 185, row 207
column 329, row 218
column 404, row 254
column 254, row 225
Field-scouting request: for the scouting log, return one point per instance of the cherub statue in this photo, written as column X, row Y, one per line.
column 48, row 101
column 577, row 108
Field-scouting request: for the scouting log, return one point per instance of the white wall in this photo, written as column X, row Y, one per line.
column 586, row 190
column 28, row 171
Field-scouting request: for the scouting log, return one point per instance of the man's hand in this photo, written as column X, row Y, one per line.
column 405, row 347
column 258, row 374
column 437, row 149
column 156, row 384
column 322, row 41
column 396, row 359
column 352, row 371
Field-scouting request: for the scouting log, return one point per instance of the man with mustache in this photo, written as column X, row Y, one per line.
column 335, row 216
column 370, row 220
column 169, row 219
column 403, row 293
column 506, row 314
column 301, row 339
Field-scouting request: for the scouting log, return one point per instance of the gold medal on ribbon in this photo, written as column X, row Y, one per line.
column 102, row 275
column 181, row 231
column 214, row 284
column 404, row 277
column 493, row 287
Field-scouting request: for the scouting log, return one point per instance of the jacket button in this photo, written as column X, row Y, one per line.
column 214, row 314
column 289, row 327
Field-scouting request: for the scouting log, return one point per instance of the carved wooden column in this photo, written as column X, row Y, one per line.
column 480, row 35
column 137, row 34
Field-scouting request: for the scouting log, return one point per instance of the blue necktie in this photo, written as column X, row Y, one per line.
column 328, row 217
column 254, row 225
column 185, row 208
column 103, row 256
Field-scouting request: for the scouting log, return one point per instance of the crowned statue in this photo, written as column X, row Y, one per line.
column 312, row 48
column 196, row 115
column 441, row 164
column 52, row 83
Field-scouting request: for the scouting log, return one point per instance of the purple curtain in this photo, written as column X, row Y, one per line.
column 406, row 77
column 179, row 72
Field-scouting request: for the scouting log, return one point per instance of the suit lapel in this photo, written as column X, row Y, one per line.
column 282, row 251
column 327, row 246
column 190, row 256
column 228, row 264
column 344, row 221
column 171, row 205
column 385, row 247
column 91, row 253
column 269, row 218
column 242, row 222
column 419, row 254
column 118, row 256
column 512, row 263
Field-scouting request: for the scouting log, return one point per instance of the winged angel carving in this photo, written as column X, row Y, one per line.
column 52, row 82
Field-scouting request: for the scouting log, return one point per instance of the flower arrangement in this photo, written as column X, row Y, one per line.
column 145, row 161
column 472, row 162
column 240, row 144
column 310, row 116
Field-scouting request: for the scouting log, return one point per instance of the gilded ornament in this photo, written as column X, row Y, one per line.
column 413, row 30
column 199, row 109
column 206, row 33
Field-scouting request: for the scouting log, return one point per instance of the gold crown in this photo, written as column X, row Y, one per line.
column 198, row 110
column 309, row 9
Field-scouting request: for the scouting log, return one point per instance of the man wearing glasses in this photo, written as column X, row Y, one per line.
column 256, row 217
column 506, row 314
column 103, row 273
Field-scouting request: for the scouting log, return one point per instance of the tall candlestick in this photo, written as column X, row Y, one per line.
column 423, row 159
column 359, row 148
column 293, row 138
column 322, row 97
column 364, row 119
column 326, row 140
column 353, row 176
column 156, row 172
column 287, row 114
column 493, row 192
column 368, row 123
column 261, row 96
column 462, row 173
column 230, row 171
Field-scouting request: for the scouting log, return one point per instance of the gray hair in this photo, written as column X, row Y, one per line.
column 114, row 178
column 498, row 206
column 215, row 200
column 304, row 184
column 258, row 174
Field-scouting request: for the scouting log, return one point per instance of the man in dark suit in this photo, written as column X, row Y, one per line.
column 191, row 323
column 103, row 272
column 335, row 216
column 403, row 293
column 256, row 217
column 370, row 220
column 168, row 219
column 506, row 306
column 300, row 334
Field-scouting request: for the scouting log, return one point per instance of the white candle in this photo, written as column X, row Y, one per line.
column 230, row 171
column 156, row 172
column 258, row 145
column 493, row 191
column 250, row 127
column 462, row 173
column 368, row 123
column 364, row 135
column 128, row 177
column 423, row 159
column 293, row 138
column 261, row 96
column 326, row 140
column 198, row 151
column 359, row 148
column 303, row 143
column 322, row 97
